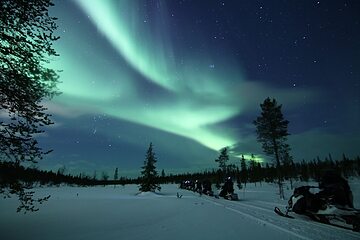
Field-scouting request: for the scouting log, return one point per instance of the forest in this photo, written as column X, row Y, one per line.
column 251, row 173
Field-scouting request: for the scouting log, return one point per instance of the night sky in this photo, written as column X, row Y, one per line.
column 189, row 76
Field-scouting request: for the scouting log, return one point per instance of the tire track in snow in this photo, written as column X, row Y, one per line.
column 323, row 229
column 267, row 216
column 309, row 223
column 259, row 220
column 274, row 204
column 255, row 207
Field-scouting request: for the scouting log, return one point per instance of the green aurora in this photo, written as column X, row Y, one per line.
column 190, row 77
column 199, row 98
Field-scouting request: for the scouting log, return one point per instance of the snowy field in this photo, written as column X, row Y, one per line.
column 122, row 213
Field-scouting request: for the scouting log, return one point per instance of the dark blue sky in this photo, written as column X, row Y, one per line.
column 189, row 76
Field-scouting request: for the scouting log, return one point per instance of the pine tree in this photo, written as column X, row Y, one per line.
column 286, row 159
column 259, row 172
column 253, row 169
column 116, row 174
column 149, row 176
column 222, row 159
column 26, row 46
column 104, row 177
column 271, row 129
column 26, row 39
column 244, row 171
column 304, row 171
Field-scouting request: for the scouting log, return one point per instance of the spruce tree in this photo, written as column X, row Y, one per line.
column 286, row 159
column 244, row 171
column 259, row 173
column 222, row 159
column 271, row 129
column 104, row 177
column 252, row 168
column 149, row 176
column 116, row 174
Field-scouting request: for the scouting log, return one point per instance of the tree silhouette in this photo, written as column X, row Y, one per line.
column 287, row 160
column 244, row 171
column 26, row 39
column 271, row 129
column 104, row 176
column 253, row 169
column 222, row 159
column 149, row 176
column 116, row 174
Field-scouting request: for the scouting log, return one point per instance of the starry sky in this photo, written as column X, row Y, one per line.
column 189, row 75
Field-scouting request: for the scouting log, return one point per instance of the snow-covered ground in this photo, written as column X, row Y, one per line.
column 122, row 213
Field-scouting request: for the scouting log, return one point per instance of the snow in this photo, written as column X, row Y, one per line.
column 124, row 213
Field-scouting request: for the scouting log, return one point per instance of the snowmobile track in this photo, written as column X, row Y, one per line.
column 305, row 221
column 267, row 217
column 296, row 219
column 259, row 220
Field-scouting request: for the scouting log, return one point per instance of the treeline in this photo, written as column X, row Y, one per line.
column 252, row 172
column 255, row 172
column 12, row 173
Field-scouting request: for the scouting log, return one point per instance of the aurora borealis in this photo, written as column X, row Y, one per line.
column 189, row 76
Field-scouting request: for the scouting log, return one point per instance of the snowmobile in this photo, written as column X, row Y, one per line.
column 326, row 206
column 188, row 185
column 227, row 190
column 207, row 188
column 198, row 187
column 231, row 196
